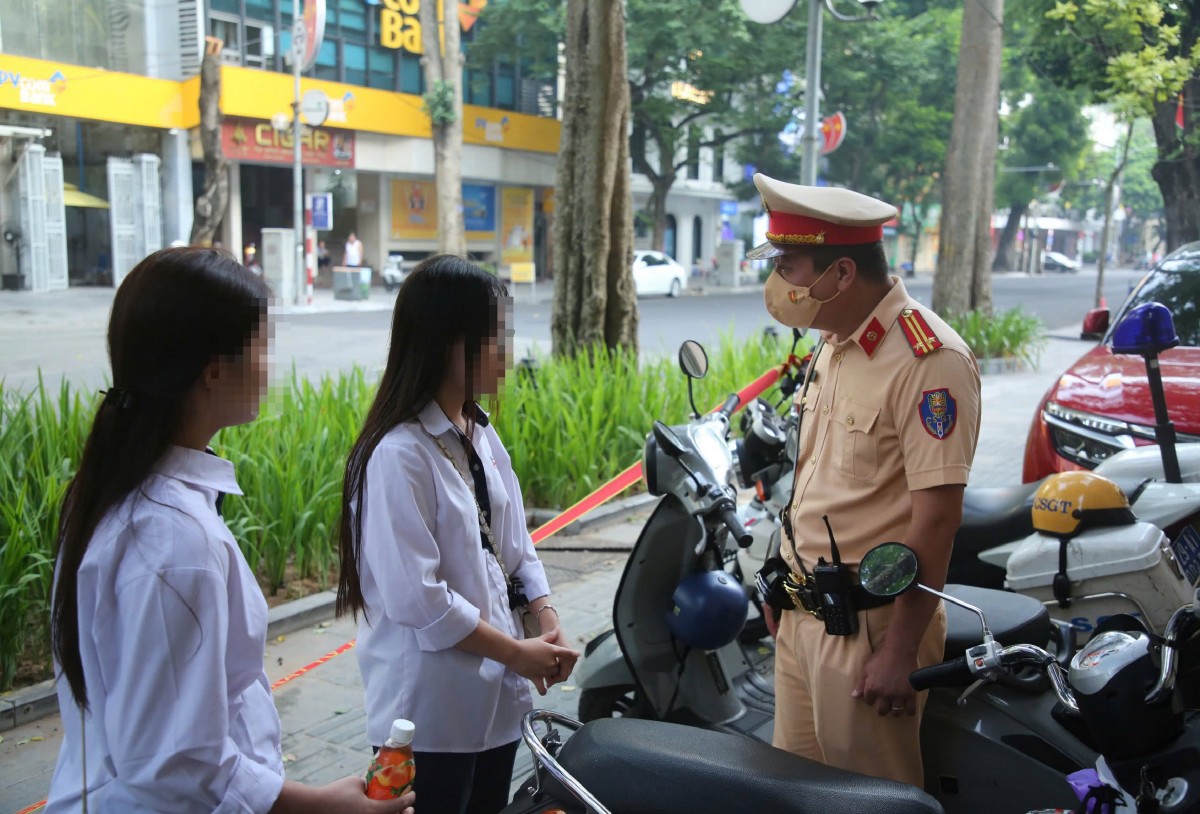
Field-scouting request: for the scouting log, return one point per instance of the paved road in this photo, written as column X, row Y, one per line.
column 62, row 334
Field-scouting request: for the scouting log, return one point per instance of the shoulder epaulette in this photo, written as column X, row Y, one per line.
column 920, row 336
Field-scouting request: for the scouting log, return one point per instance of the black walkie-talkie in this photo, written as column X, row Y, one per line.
column 833, row 592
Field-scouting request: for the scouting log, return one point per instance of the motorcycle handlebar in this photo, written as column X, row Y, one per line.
column 730, row 519
column 953, row 673
column 730, row 405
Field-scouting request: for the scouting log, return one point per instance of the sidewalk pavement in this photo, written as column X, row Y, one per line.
column 322, row 712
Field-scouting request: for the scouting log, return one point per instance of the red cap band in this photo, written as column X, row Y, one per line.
column 801, row 230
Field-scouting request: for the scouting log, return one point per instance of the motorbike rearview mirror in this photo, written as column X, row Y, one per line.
column 1148, row 330
column 888, row 570
column 693, row 360
column 1095, row 323
column 668, row 441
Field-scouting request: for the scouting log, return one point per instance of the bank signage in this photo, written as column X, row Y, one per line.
column 400, row 24
column 259, row 142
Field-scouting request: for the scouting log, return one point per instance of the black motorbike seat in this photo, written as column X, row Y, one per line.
column 1013, row 618
column 650, row 767
column 995, row 515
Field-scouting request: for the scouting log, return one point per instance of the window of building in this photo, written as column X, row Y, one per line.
column 506, row 86
column 228, row 30
column 693, row 154
column 262, row 9
column 669, row 237
column 697, row 240
column 259, row 51
column 356, row 63
column 477, row 88
column 230, row 6
column 411, row 78
column 351, row 15
column 381, row 65
column 327, row 61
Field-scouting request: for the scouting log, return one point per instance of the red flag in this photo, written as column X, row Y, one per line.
column 1179, row 113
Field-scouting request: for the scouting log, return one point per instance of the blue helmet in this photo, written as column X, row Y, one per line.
column 708, row 610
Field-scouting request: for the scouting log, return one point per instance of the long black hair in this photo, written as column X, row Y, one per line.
column 445, row 300
column 177, row 311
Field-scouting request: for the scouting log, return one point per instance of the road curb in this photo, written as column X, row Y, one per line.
column 37, row 701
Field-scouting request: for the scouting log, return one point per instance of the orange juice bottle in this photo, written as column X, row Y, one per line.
column 393, row 769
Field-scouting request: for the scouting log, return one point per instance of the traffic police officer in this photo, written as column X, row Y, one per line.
column 889, row 422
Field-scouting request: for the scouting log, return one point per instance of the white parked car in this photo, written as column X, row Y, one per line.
column 1056, row 261
column 656, row 273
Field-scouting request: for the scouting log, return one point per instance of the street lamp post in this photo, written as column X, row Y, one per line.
column 812, row 80
column 298, row 44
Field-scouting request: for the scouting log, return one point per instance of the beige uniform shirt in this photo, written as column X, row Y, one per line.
column 879, row 421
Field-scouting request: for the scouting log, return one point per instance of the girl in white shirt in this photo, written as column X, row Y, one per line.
column 437, row 642
column 158, row 624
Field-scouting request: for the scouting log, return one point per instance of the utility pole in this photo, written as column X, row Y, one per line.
column 298, row 45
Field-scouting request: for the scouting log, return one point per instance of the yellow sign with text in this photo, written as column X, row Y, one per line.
column 516, row 218
column 400, row 25
column 254, row 94
column 58, row 89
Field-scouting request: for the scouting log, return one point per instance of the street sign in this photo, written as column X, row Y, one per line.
column 314, row 108
column 767, row 11
column 310, row 34
column 833, row 132
column 321, row 207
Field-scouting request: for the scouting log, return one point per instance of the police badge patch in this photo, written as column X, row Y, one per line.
column 939, row 412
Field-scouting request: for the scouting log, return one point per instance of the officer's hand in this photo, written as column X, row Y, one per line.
column 769, row 616
column 884, row 683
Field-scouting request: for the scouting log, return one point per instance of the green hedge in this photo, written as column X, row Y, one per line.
column 569, row 428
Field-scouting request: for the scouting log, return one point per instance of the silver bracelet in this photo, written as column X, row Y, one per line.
column 538, row 615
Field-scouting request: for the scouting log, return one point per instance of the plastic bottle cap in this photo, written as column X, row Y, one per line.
column 402, row 731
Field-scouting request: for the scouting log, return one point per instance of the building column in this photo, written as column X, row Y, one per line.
column 178, row 199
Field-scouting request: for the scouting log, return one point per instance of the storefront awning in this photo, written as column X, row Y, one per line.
column 73, row 197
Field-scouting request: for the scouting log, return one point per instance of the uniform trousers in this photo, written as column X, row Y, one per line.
column 815, row 715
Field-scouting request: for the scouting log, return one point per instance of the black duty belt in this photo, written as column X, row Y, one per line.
column 803, row 591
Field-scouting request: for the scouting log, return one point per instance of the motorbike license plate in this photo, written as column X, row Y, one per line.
column 1186, row 548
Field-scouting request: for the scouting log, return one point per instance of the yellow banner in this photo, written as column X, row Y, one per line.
column 58, row 89
column 516, row 218
column 255, row 94
column 414, row 210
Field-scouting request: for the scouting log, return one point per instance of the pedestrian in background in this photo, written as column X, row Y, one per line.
column 353, row 255
column 159, row 625
column 436, row 559
column 890, row 419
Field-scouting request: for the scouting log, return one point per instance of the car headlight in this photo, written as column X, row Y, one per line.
column 1087, row 439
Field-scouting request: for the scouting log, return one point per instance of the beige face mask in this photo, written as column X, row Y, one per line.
column 794, row 306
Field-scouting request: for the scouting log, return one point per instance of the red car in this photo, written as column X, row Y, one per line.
column 1101, row 404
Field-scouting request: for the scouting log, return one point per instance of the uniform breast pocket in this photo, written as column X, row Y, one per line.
column 856, row 438
column 809, row 418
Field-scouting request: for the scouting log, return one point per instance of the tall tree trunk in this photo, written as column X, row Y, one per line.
column 1109, row 203
column 962, row 279
column 1177, row 170
column 594, row 299
column 214, row 200
column 658, row 211
column 1008, row 238
column 442, row 63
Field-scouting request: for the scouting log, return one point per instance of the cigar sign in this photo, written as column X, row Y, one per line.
column 259, row 142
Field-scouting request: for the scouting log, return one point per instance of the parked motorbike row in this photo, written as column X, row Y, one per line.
column 677, row 713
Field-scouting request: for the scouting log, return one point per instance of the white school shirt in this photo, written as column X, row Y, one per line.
column 427, row 581
column 172, row 632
